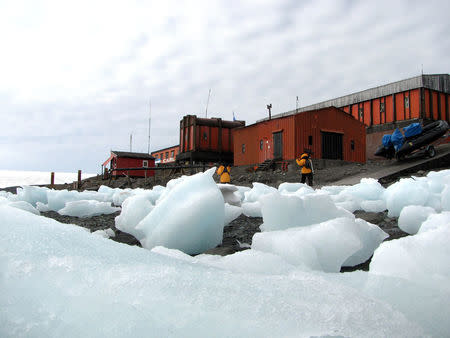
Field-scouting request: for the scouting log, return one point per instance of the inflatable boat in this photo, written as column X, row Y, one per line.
column 415, row 138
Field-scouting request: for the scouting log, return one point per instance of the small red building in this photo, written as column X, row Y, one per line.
column 329, row 133
column 126, row 163
column 166, row 155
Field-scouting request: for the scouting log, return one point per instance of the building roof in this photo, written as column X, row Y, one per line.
column 143, row 156
column 163, row 149
column 128, row 154
column 438, row 82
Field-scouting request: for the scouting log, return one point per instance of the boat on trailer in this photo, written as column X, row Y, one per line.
column 416, row 138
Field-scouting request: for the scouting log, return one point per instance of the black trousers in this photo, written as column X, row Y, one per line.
column 308, row 177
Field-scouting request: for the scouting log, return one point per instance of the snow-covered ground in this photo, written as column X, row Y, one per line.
column 11, row 178
column 60, row 280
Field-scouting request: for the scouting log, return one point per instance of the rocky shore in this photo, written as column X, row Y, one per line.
column 238, row 234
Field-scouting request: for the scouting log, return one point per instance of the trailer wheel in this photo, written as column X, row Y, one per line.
column 400, row 157
column 431, row 151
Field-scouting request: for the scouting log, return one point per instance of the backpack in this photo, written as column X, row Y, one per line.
column 307, row 163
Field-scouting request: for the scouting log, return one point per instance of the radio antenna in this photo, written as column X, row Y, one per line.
column 207, row 103
column 149, row 125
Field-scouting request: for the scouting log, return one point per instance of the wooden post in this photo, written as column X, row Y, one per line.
column 52, row 178
column 79, row 179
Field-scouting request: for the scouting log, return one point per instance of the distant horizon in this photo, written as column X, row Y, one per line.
column 13, row 178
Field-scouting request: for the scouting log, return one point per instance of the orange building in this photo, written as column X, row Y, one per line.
column 384, row 108
column 206, row 139
column 329, row 133
column 166, row 155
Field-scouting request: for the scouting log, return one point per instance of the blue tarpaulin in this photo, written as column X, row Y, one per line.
column 412, row 130
column 397, row 139
column 387, row 140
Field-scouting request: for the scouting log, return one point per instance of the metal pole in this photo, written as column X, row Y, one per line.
column 269, row 107
column 149, row 121
column 207, row 103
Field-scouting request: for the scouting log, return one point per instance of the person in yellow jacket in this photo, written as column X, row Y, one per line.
column 307, row 168
column 224, row 174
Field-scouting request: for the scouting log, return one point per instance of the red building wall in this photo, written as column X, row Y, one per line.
column 201, row 134
column 124, row 162
column 166, row 155
column 297, row 130
column 332, row 120
column 372, row 113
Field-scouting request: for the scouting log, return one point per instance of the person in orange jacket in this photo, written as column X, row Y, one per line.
column 307, row 168
column 224, row 174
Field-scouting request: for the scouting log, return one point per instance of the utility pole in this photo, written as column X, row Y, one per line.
column 269, row 107
column 131, row 142
column 296, row 106
column 207, row 103
column 149, row 123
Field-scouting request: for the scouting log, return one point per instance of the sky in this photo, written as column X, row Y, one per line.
column 77, row 78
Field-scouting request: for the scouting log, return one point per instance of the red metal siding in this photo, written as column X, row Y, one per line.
column 435, row 112
column 426, row 113
column 366, row 109
column 442, row 106
column 253, row 135
column 227, row 141
column 389, row 108
column 376, row 111
column 414, row 104
column 355, row 111
column 161, row 154
column 209, row 135
column 331, row 120
column 214, row 135
column 447, row 113
column 400, row 106
column 297, row 131
column 124, row 162
column 244, row 136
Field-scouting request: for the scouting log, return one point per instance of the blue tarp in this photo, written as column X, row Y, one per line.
column 412, row 130
column 386, row 140
column 397, row 139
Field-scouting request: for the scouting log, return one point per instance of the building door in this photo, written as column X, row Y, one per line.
column 265, row 149
column 278, row 145
column 332, row 146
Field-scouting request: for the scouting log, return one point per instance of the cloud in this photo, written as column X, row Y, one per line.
column 78, row 78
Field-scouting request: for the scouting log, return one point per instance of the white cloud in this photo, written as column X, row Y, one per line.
column 91, row 67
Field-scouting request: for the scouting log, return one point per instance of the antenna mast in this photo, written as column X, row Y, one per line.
column 149, row 123
column 207, row 103
column 131, row 142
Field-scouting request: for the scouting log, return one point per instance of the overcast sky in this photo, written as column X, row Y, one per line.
column 77, row 77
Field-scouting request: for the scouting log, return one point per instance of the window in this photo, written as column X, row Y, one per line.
column 310, row 140
column 172, row 153
column 205, row 136
column 261, row 145
column 243, row 148
column 382, row 107
column 406, row 101
column 145, row 163
column 167, row 155
column 352, row 145
column 360, row 112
